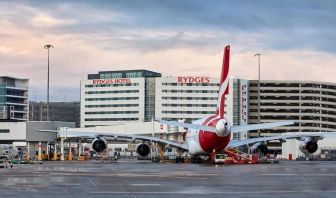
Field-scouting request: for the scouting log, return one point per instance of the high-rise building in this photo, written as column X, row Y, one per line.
column 14, row 98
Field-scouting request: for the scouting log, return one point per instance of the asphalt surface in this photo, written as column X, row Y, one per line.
column 132, row 178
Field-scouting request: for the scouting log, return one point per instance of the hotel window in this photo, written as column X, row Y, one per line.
column 4, row 130
column 133, row 74
column 116, row 75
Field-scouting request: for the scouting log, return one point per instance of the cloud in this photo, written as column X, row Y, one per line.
column 307, row 65
column 45, row 20
column 171, row 37
column 6, row 50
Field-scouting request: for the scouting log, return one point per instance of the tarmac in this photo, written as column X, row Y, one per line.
column 133, row 178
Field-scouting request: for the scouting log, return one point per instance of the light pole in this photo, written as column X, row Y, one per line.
column 48, row 47
column 258, row 90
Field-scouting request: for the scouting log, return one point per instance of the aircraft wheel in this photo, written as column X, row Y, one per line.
column 193, row 160
column 155, row 159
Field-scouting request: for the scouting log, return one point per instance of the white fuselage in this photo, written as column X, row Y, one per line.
column 192, row 139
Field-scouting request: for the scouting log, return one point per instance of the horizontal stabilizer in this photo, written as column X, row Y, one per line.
column 48, row 131
column 189, row 126
column 234, row 129
column 250, row 127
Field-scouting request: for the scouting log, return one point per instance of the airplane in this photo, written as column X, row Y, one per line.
column 209, row 134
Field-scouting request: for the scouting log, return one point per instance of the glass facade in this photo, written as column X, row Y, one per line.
column 149, row 99
column 124, row 74
column 134, row 74
column 4, row 130
column 110, row 75
column 2, row 96
column 14, row 96
column 58, row 111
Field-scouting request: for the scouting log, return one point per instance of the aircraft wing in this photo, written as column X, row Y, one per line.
column 116, row 137
column 282, row 137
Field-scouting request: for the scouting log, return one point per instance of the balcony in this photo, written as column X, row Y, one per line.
column 17, row 96
column 25, row 88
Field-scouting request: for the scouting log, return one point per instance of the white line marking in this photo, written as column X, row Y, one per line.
column 208, row 193
column 305, row 180
column 296, row 174
column 145, row 184
column 65, row 184
column 92, row 183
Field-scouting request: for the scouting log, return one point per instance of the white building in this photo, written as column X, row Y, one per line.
column 111, row 97
column 189, row 98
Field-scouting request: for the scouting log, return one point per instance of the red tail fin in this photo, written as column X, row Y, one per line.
column 224, row 82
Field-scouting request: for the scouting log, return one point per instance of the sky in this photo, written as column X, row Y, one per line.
column 296, row 40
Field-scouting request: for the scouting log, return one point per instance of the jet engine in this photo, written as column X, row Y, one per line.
column 308, row 146
column 99, row 145
column 259, row 148
column 143, row 149
column 223, row 128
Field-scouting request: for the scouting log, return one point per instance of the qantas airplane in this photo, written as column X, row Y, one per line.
column 212, row 133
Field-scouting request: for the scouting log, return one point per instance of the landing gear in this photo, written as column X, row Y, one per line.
column 196, row 160
column 155, row 159
column 179, row 159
